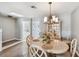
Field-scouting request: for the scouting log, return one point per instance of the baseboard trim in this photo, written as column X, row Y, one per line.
column 9, row 40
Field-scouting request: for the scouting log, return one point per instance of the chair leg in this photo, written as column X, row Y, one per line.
column 28, row 52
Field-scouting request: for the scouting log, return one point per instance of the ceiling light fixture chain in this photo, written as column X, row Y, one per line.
column 50, row 17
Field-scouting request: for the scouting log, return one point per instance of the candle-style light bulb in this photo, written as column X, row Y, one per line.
column 45, row 19
column 56, row 19
column 53, row 18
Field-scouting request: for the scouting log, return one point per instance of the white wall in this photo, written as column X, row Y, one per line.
column 8, row 27
column 18, row 28
column 75, row 24
column 66, row 24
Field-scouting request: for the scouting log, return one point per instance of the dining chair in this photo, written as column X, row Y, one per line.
column 73, row 47
column 36, row 51
column 77, row 53
column 29, row 42
column 72, row 51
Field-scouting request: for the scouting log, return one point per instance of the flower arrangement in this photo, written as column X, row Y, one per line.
column 48, row 36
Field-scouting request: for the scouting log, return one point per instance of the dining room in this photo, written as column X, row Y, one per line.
column 39, row 29
column 55, row 35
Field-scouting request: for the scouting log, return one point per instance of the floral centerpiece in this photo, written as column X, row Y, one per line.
column 48, row 36
column 47, row 40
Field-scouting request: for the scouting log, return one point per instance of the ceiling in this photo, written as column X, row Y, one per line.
column 42, row 8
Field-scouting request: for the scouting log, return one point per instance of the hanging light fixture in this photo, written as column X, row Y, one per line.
column 48, row 19
column 51, row 18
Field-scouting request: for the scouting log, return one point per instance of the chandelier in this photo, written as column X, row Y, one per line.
column 51, row 18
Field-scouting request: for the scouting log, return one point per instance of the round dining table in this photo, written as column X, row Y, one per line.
column 55, row 47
